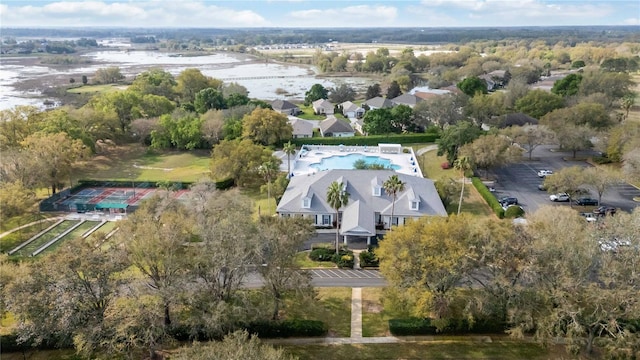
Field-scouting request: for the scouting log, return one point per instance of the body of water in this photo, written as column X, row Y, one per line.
column 266, row 81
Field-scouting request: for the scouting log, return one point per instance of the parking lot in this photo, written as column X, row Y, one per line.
column 521, row 181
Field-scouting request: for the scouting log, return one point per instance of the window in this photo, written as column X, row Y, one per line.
column 415, row 204
column 306, row 203
column 377, row 190
column 326, row 219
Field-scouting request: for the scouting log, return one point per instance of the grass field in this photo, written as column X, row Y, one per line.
column 46, row 237
column 10, row 241
column 302, row 259
column 136, row 163
column 76, row 233
column 333, row 308
column 96, row 89
column 430, row 163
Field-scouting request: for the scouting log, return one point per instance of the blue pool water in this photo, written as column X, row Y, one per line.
column 346, row 162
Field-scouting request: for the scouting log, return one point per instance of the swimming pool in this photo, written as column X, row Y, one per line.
column 346, row 162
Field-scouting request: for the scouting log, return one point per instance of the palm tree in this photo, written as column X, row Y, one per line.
column 289, row 149
column 463, row 163
column 393, row 186
column 268, row 170
column 337, row 196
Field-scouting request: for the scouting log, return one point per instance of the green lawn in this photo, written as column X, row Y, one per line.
column 308, row 114
column 10, row 241
column 136, row 163
column 302, row 259
column 430, row 163
column 375, row 318
column 431, row 350
column 333, row 308
column 96, row 89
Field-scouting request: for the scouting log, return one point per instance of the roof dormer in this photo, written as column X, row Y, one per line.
column 376, row 187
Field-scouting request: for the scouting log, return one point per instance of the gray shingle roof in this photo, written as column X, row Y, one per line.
column 379, row 103
column 333, row 125
column 362, row 202
column 282, row 105
column 406, row 99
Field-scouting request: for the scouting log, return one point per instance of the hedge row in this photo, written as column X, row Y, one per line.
column 288, row 328
column 322, row 254
column 371, row 140
column 488, row 196
column 419, row 326
column 368, row 259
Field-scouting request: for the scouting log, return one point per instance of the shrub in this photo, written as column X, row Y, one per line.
column 411, row 326
column 602, row 160
column 488, row 197
column 322, row 254
column 344, row 259
column 371, row 140
column 368, row 259
column 288, row 328
column 514, row 212
column 445, row 165
column 224, row 184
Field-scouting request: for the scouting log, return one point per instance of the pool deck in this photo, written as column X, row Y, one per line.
column 313, row 154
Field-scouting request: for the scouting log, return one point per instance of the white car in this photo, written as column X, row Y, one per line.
column 564, row 197
column 544, row 173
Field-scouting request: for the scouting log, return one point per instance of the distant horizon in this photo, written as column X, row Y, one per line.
column 315, row 14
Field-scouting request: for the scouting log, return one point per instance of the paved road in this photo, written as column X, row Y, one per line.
column 521, row 180
column 333, row 278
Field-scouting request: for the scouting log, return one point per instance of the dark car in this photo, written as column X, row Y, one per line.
column 586, row 201
column 604, row 210
column 508, row 200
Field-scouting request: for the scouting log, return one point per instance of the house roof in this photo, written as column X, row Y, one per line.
column 379, row 102
column 406, row 99
column 348, row 106
column 301, row 127
column 282, row 105
column 322, row 103
column 360, row 212
column 333, row 125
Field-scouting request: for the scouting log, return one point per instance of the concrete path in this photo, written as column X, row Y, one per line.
column 356, row 313
column 425, row 149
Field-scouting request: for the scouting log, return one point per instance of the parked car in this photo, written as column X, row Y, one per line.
column 604, row 210
column 561, row 197
column 584, row 201
column 508, row 200
column 544, row 173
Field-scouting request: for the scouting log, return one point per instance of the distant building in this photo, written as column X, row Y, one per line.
column 323, row 106
column 333, row 127
column 285, row 107
column 378, row 103
column 351, row 110
column 301, row 128
column 406, row 99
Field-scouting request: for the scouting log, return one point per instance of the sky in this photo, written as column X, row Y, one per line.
column 316, row 13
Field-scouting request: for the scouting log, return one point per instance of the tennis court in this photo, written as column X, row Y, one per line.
column 112, row 199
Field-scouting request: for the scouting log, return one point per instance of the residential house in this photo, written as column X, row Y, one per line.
column 323, row 106
column 351, row 110
column 301, row 128
column 378, row 103
column 496, row 79
column 333, row 127
column 406, row 99
column 369, row 208
column 285, row 107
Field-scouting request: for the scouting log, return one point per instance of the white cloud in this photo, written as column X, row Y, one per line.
column 631, row 21
column 350, row 16
column 132, row 14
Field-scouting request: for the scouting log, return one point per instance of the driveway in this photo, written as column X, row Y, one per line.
column 521, row 180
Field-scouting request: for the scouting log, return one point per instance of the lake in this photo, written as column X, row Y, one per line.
column 266, row 81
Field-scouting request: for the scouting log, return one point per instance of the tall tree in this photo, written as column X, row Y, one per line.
column 337, row 197
column 266, row 126
column 627, row 103
column 108, row 75
column 600, row 180
column 289, row 149
column 392, row 186
column 153, row 239
column 373, row 91
column 393, row 90
column 490, row 151
column 191, row 81
column 567, row 86
column 342, row 93
column 530, row 137
column 316, row 92
column 238, row 160
column 537, row 103
column 462, row 164
column 208, row 99
column 568, row 180
column 472, row 85
column 55, row 155
column 453, row 137
column 155, row 82
column 281, row 238
column 441, row 111
column 269, row 170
